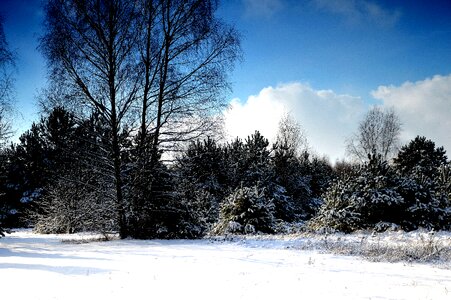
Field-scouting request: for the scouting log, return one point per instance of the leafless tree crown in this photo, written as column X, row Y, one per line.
column 155, row 69
column 291, row 136
column 378, row 133
column 6, row 85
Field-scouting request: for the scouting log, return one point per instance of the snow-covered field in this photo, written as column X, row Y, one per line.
column 49, row 267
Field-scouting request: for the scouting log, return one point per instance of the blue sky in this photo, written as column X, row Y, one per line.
column 22, row 24
column 323, row 61
column 349, row 50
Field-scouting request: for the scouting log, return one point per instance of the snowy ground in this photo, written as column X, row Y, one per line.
column 48, row 267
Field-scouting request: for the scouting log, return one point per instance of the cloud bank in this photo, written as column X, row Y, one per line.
column 424, row 107
column 326, row 117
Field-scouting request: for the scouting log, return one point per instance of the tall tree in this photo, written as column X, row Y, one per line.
column 377, row 134
column 6, row 94
column 420, row 156
column 156, row 68
column 89, row 48
column 185, row 55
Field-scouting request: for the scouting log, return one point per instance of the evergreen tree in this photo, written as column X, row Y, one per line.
column 376, row 194
column 157, row 211
column 79, row 193
column 29, row 169
column 289, row 175
column 256, row 161
column 420, row 158
column 201, row 180
column 425, row 184
column 246, row 210
column 234, row 163
column 253, row 165
column 361, row 201
column 55, row 179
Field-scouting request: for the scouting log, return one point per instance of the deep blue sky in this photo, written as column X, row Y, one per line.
column 349, row 47
column 349, row 51
column 23, row 26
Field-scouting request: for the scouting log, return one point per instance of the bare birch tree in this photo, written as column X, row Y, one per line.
column 6, row 85
column 378, row 133
column 153, row 67
column 291, row 136
column 186, row 53
column 89, row 48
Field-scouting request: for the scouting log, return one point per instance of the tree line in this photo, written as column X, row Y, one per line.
column 56, row 179
column 130, row 82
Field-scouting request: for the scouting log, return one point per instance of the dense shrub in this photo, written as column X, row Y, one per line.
column 361, row 201
column 420, row 158
column 377, row 194
column 425, row 179
column 246, row 210
column 71, row 207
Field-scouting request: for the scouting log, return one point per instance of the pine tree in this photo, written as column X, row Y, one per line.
column 420, row 158
column 425, row 183
column 362, row 200
column 201, row 180
column 376, row 195
column 246, row 210
column 288, row 174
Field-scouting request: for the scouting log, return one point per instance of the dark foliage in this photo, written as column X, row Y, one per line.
column 361, row 201
column 420, row 158
column 57, row 178
column 409, row 194
column 202, row 180
column 158, row 211
column 246, row 210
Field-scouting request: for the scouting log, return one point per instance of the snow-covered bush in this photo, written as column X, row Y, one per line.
column 375, row 194
column 200, row 181
column 420, row 158
column 361, row 201
column 71, row 207
column 424, row 184
column 426, row 206
column 246, row 210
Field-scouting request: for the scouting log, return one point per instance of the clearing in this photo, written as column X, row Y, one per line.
column 34, row 266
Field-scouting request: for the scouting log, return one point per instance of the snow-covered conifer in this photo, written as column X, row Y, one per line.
column 246, row 210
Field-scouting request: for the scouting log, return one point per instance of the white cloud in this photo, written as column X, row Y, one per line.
column 326, row 117
column 424, row 107
column 262, row 8
column 357, row 11
column 329, row 118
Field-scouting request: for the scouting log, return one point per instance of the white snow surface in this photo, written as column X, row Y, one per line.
column 34, row 266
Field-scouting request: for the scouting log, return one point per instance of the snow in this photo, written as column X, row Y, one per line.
column 36, row 266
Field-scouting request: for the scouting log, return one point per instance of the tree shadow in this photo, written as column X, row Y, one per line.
column 40, row 253
column 29, row 258
column 63, row 270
